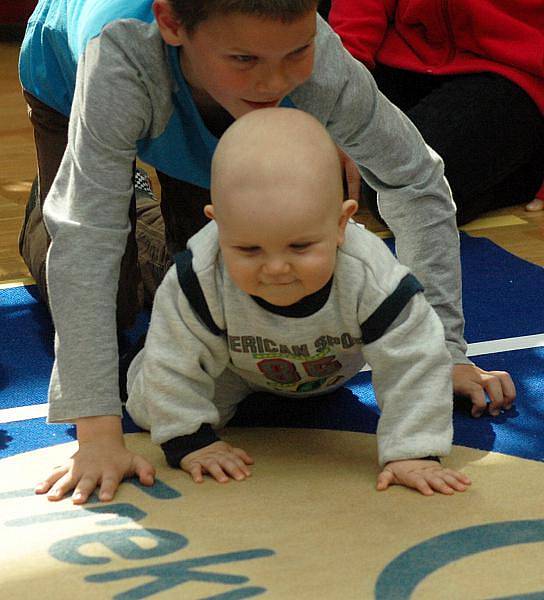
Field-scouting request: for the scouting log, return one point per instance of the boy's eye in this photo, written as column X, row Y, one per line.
column 243, row 58
column 299, row 51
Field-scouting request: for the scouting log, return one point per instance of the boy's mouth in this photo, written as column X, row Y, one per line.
column 269, row 104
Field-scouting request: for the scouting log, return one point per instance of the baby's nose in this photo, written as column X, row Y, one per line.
column 276, row 266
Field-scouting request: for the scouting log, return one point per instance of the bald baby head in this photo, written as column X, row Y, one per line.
column 279, row 155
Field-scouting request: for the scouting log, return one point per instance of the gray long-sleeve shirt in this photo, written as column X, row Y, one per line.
column 128, row 100
column 187, row 375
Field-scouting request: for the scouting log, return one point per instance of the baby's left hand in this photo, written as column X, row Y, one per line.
column 422, row 475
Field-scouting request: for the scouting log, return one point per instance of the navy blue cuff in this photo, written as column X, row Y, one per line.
column 176, row 448
column 435, row 458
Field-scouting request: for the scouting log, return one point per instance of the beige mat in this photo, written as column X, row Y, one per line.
column 307, row 525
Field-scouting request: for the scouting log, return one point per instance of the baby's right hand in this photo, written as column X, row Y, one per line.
column 220, row 460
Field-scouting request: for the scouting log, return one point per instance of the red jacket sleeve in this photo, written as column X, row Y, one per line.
column 361, row 24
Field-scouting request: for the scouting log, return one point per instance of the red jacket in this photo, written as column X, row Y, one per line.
column 448, row 37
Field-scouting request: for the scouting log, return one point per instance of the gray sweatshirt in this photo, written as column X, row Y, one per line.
column 123, row 105
column 187, row 376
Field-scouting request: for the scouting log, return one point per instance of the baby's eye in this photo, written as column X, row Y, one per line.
column 301, row 247
column 248, row 249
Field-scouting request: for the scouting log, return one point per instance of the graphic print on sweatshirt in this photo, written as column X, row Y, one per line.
column 303, row 368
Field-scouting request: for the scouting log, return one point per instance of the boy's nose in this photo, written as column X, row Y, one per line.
column 274, row 83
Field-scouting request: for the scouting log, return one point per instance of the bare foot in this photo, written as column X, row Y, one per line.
column 535, row 205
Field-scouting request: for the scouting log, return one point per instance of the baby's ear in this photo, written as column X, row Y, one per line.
column 208, row 211
column 349, row 208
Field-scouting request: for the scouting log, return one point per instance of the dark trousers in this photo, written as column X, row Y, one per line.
column 488, row 131
column 158, row 229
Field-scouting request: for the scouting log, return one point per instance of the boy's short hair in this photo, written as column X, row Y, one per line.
column 193, row 12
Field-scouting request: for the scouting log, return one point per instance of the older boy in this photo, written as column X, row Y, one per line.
column 162, row 80
column 248, row 306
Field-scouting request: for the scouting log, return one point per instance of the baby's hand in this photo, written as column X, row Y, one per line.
column 422, row 475
column 218, row 460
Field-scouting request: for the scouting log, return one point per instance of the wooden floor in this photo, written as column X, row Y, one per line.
column 520, row 232
column 17, row 163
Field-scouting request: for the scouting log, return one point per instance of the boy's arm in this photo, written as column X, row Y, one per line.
column 87, row 216
column 413, row 195
column 415, row 201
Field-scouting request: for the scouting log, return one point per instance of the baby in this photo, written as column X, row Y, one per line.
column 281, row 292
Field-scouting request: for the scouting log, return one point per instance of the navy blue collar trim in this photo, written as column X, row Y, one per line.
column 309, row 305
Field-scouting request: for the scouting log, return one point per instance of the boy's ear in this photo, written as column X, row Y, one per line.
column 171, row 30
column 209, row 212
column 349, row 208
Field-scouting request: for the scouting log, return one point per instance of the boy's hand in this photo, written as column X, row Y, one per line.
column 102, row 461
column 475, row 383
column 422, row 475
column 220, row 460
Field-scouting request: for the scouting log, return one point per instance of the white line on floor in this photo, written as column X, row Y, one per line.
column 22, row 413
column 506, row 344
column 6, row 285
column 503, row 345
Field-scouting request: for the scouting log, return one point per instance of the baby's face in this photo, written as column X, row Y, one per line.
column 277, row 200
column 280, row 252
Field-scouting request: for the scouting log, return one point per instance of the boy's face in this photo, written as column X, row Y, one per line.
column 244, row 62
column 280, row 252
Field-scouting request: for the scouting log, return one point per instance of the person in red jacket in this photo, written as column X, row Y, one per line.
column 538, row 203
column 470, row 75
